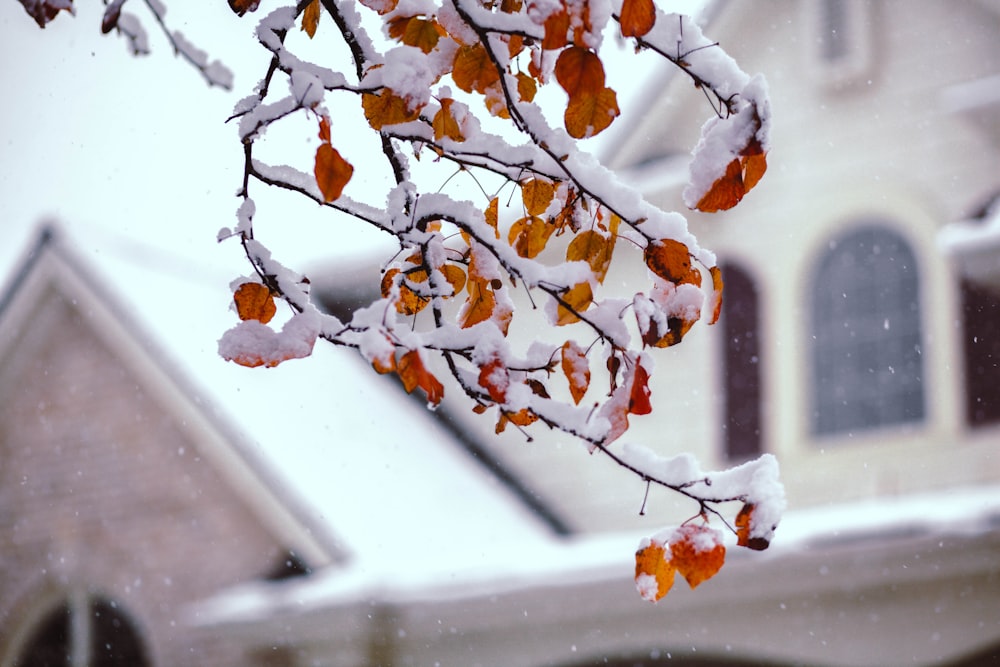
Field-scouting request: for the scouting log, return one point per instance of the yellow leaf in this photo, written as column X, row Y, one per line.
column 310, row 18
column 444, row 122
column 575, row 300
column 527, row 87
column 529, row 235
column 537, row 194
column 594, row 248
column 654, row 573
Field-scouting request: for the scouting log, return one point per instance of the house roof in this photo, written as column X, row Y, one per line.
column 342, row 468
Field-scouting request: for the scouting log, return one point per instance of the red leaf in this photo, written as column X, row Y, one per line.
column 414, row 374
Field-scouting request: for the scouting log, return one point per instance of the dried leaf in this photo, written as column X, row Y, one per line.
column 716, row 299
column 575, row 300
column 697, row 552
column 44, row 11
column 416, row 31
column 529, row 235
column 332, row 172
column 493, row 216
column 310, row 18
column 387, row 108
column 580, row 72
column 527, row 87
column 637, row 17
column 414, row 374
column 556, row 28
column 494, row 378
column 409, row 302
column 744, row 530
column 522, row 418
column 638, row 402
column 671, row 260
column 241, row 7
column 588, row 114
column 473, row 69
column 254, row 302
column 537, row 194
column 445, row 124
column 576, row 368
column 594, row 248
column 654, row 573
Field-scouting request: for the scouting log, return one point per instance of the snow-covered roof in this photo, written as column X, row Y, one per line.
column 365, row 463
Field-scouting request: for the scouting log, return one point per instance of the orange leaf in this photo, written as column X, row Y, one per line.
column 409, row 303
column 324, row 129
column 556, row 28
column 386, row 108
column 414, row 374
column 589, row 114
column 716, row 300
column 254, row 302
column 638, row 401
column 654, row 573
column 455, row 277
column 576, row 299
column 473, row 69
column 744, row 530
column 310, row 18
column 595, row 249
column 383, row 7
column 726, row 192
column 241, row 7
column 753, row 159
column 493, row 215
column 481, row 304
column 579, row 71
column 637, row 17
column 697, row 552
column 494, row 378
column 576, row 369
column 671, row 260
column 537, row 194
column 444, row 122
column 332, row 172
column 523, row 417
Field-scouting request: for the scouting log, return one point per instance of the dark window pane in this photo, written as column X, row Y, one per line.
column 981, row 311
column 741, row 369
column 115, row 641
column 867, row 370
column 49, row 646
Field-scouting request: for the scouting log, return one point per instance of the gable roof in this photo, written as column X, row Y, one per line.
column 50, row 271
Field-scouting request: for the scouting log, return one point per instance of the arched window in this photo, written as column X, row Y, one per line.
column 741, row 366
column 865, row 327
column 84, row 631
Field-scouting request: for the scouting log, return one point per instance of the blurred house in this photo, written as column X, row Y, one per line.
column 859, row 344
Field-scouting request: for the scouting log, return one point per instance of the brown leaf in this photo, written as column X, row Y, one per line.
column 44, row 11
column 576, row 368
column 386, row 108
column 556, row 28
column 332, row 172
column 671, row 260
column 697, row 552
column 416, row 31
column 493, row 215
column 654, row 573
column 638, row 402
column 254, row 302
column 473, row 69
column 580, row 72
column 716, row 299
column 527, row 87
column 445, row 124
column 241, row 7
column 588, row 114
column 744, row 530
column 637, row 17
column 310, row 18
